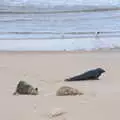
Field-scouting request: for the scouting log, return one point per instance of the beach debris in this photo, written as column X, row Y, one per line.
column 56, row 112
column 23, row 88
column 67, row 91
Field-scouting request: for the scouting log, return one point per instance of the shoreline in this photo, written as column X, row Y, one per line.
column 62, row 51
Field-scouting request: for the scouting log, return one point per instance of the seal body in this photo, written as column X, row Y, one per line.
column 93, row 74
column 67, row 91
column 24, row 88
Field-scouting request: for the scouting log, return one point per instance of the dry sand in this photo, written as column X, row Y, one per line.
column 47, row 71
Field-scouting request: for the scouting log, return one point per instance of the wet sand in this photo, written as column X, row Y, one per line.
column 47, row 71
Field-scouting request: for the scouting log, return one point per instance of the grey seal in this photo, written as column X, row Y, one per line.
column 68, row 91
column 23, row 88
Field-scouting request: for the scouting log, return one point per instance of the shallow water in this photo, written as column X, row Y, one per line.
column 59, row 26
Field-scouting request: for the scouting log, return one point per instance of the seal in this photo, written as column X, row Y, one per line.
column 93, row 74
column 68, row 91
column 24, row 88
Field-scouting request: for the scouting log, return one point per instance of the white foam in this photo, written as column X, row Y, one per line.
column 59, row 44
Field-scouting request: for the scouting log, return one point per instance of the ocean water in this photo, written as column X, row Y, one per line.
column 51, row 25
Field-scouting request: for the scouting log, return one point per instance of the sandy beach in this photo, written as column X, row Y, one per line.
column 47, row 71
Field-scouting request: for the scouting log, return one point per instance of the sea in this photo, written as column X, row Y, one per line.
column 59, row 25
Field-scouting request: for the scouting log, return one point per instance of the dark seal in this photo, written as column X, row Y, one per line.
column 24, row 88
column 93, row 74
